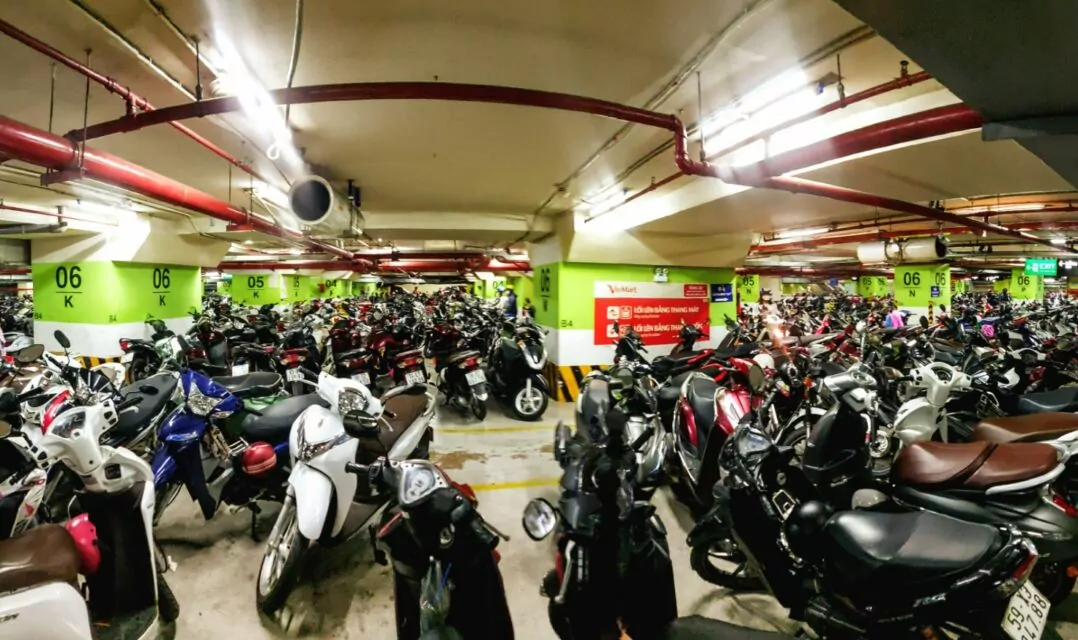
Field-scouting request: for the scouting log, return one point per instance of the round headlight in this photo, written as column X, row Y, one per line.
column 350, row 401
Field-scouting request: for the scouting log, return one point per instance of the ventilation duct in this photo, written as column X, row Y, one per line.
column 898, row 251
column 322, row 208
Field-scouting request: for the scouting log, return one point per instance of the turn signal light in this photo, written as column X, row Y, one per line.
column 125, row 344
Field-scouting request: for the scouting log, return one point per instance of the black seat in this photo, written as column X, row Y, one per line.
column 948, row 348
column 1064, row 399
column 740, row 351
column 256, row 384
column 155, row 392
column 276, row 420
column 348, row 355
column 701, row 397
column 946, row 357
column 896, row 551
column 700, row 628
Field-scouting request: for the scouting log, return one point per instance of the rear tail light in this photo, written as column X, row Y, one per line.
column 410, row 362
column 125, row 344
column 1064, row 506
column 1022, row 572
column 292, row 358
column 471, row 362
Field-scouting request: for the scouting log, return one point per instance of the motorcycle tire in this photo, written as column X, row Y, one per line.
column 515, row 402
column 163, row 498
column 168, row 607
column 140, row 370
column 702, row 565
column 1052, row 579
column 479, row 409
column 275, row 598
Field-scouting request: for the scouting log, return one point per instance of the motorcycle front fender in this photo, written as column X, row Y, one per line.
column 711, row 527
column 540, row 382
column 313, row 492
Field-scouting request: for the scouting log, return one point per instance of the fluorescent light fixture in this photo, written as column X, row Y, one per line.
column 801, row 233
column 1059, row 241
column 1002, row 208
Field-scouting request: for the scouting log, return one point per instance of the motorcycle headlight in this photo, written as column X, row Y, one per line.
column 350, row 401
column 199, row 403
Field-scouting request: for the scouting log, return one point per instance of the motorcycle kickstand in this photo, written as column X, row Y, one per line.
column 255, row 511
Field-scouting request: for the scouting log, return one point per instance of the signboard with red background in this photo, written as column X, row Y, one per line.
column 655, row 310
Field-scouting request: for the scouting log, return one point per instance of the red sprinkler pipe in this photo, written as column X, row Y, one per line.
column 42, row 148
column 131, row 98
column 385, row 267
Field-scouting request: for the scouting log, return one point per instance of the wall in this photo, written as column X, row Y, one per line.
column 565, row 303
column 256, row 288
column 917, row 285
column 873, row 286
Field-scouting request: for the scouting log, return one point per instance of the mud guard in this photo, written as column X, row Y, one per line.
column 314, row 494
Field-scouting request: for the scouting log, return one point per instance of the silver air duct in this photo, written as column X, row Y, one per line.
column 319, row 206
column 915, row 250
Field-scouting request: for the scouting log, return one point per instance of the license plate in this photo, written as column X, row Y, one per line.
column 293, row 375
column 475, row 377
column 414, row 377
column 241, row 369
column 362, row 378
column 127, row 358
column 1026, row 614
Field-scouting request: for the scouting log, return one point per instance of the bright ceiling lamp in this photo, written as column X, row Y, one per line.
column 1002, row 208
column 1059, row 241
column 235, row 79
column 801, row 233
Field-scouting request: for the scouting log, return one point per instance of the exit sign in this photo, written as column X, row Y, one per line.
column 1041, row 266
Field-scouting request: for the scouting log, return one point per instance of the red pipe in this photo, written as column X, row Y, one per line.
column 384, row 267
column 53, row 152
column 133, row 100
column 867, row 94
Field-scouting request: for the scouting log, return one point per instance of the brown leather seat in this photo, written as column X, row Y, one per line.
column 972, row 465
column 39, row 556
column 405, row 409
column 1032, row 428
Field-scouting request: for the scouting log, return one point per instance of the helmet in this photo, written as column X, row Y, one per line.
column 84, row 533
column 258, row 459
column 988, row 331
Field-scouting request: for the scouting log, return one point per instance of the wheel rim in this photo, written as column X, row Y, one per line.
column 278, row 550
column 529, row 400
column 166, row 498
column 733, row 562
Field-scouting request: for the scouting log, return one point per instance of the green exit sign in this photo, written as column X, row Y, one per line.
column 1041, row 266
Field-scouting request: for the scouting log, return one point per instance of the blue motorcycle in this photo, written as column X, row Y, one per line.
column 222, row 448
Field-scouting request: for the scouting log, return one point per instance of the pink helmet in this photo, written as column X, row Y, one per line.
column 84, row 533
column 988, row 331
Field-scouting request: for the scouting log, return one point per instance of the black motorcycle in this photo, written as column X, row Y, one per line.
column 516, row 370
column 612, row 566
column 143, row 358
column 446, row 580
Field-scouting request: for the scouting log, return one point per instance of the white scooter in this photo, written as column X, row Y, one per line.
column 921, row 416
column 321, row 503
column 110, row 545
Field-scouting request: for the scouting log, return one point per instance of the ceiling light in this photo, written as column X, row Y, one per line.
column 1002, row 208
column 1059, row 241
column 800, row 233
column 246, row 242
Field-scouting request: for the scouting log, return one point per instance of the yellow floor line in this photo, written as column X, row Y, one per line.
column 523, row 484
column 466, row 430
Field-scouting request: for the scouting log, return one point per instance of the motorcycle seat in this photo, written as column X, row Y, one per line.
column 256, row 384
column 1062, row 399
column 701, row 628
column 701, row 397
column 1032, row 428
column 275, row 423
column 946, row 348
column 348, row 355
column 946, row 357
column 406, row 409
column 887, row 553
column 133, row 421
column 740, row 351
column 972, row 465
column 462, row 355
column 39, row 556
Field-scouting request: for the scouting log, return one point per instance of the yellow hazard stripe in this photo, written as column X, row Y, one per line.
column 523, row 484
column 474, row 430
column 92, row 361
column 569, row 380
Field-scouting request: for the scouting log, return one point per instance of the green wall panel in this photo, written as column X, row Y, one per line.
column 256, row 289
column 915, row 284
column 1023, row 287
column 113, row 292
column 295, row 288
column 748, row 289
column 873, row 286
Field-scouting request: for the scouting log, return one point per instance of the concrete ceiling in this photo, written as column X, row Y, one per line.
column 474, row 175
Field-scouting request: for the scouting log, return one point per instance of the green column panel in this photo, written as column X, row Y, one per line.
column 546, row 305
column 335, row 289
column 748, row 289
column 479, row 288
column 113, row 292
column 960, row 286
column 224, row 287
column 256, row 289
column 295, row 288
column 873, row 286
column 917, row 285
column 1023, row 287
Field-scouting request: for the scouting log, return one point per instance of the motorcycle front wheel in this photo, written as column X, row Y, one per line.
column 282, row 560
column 529, row 403
column 479, row 409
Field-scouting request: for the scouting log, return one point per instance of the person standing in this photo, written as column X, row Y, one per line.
column 511, row 304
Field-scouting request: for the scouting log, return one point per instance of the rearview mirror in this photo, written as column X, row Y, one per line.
column 30, row 354
column 539, row 519
column 62, row 339
column 924, row 322
column 561, row 441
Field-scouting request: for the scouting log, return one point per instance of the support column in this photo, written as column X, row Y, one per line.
column 579, row 303
column 1025, row 288
column 256, row 288
column 873, row 286
column 919, row 287
column 295, row 288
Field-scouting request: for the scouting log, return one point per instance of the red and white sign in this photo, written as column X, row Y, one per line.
column 654, row 309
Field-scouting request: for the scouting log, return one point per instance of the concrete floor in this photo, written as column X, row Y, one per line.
column 343, row 594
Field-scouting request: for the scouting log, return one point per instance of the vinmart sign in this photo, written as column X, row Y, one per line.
column 654, row 309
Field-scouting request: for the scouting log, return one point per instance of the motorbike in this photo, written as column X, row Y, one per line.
column 143, row 358
column 320, row 503
column 446, row 581
column 460, row 375
column 110, row 544
column 516, row 371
